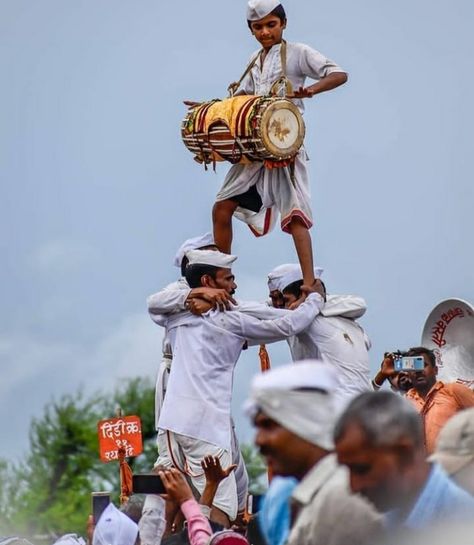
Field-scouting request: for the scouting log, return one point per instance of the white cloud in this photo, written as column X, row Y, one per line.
column 62, row 255
column 35, row 371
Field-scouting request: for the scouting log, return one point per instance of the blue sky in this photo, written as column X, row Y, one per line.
column 98, row 190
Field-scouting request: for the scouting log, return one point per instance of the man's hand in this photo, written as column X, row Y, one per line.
column 199, row 306
column 316, row 287
column 177, row 488
column 219, row 298
column 213, row 470
column 387, row 368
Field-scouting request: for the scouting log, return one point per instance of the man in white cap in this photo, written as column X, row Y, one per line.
column 334, row 335
column 454, row 449
column 251, row 192
column 294, row 415
column 114, row 528
column 196, row 410
column 171, row 299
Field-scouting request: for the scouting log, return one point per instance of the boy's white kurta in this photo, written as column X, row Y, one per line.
column 279, row 193
column 205, row 351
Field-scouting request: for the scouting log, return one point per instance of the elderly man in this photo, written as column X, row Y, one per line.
column 196, row 409
column 436, row 401
column 294, row 414
column 380, row 439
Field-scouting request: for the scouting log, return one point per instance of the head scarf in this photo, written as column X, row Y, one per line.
column 300, row 397
column 192, row 244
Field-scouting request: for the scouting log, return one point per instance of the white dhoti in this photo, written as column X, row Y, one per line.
column 279, row 191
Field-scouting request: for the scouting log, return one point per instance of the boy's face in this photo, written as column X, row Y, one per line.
column 268, row 31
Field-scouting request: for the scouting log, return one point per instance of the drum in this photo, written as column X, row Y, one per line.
column 449, row 331
column 244, row 129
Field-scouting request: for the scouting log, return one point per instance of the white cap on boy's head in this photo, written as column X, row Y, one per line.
column 210, row 257
column 193, row 244
column 258, row 9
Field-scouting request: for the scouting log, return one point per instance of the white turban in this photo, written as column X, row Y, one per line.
column 277, row 273
column 193, row 244
column 114, row 528
column 300, row 397
column 288, row 274
column 210, row 257
column 258, row 9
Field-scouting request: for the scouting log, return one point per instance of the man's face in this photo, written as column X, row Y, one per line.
column 224, row 280
column 376, row 473
column 289, row 298
column 268, row 31
column 426, row 379
column 277, row 299
column 281, row 448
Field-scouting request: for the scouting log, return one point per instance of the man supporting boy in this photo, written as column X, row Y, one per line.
column 252, row 192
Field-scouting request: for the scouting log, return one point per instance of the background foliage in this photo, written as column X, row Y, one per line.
column 48, row 492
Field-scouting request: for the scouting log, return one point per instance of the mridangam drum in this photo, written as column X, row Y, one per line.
column 243, row 129
column 449, row 331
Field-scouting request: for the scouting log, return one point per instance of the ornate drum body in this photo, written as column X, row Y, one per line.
column 243, row 129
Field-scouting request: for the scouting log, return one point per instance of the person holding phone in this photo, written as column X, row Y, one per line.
column 435, row 400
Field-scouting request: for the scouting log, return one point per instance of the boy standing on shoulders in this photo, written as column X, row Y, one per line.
column 252, row 192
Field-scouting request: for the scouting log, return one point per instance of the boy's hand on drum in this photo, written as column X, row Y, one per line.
column 302, row 92
column 191, row 103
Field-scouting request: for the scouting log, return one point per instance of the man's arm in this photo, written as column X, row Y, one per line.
column 267, row 331
column 176, row 296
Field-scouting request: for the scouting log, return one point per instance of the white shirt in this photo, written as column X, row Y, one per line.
column 335, row 337
column 205, row 351
column 301, row 62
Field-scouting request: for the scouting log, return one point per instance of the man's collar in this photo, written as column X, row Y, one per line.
column 412, row 392
column 315, row 479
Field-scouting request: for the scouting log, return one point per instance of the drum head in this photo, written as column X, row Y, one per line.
column 282, row 129
column 449, row 331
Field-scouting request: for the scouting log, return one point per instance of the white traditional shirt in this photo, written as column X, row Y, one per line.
column 335, row 337
column 326, row 511
column 205, row 351
column 172, row 298
column 302, row 61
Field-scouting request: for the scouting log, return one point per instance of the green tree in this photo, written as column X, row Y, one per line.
column 54, row 482
column 256, row 468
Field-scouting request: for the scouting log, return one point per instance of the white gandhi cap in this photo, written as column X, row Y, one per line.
column 210, row 257
column 258, row 9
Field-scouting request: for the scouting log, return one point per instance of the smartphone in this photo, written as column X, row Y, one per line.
column 100, row 500
column 254, row 502
column 148, row 483
column 409, row 363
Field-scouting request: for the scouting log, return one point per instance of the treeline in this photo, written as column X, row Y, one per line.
column 48, row 492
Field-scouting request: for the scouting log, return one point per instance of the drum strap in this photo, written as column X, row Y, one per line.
column 283, row 80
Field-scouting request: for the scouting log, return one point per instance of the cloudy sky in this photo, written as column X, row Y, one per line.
column 98, row 189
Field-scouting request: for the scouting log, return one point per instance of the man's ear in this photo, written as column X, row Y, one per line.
column 207, row 281
column 436, row 370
